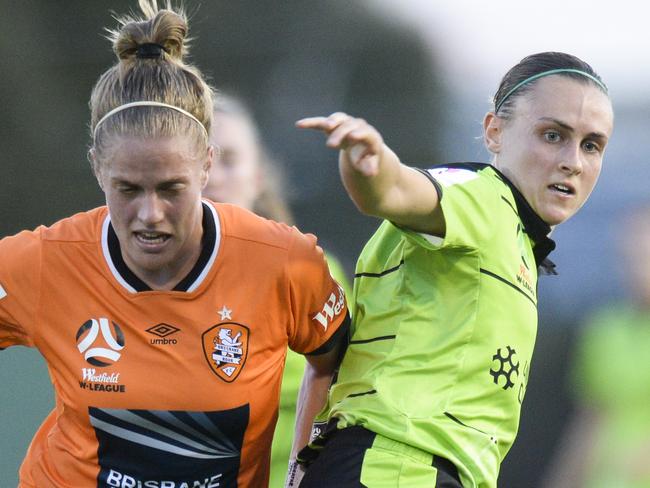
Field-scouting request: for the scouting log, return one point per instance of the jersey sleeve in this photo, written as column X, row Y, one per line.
column 318, row 304
column 20, row 263
column 468, row 202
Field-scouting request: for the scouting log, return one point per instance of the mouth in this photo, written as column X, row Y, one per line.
column 562, row 189
column 151, row 240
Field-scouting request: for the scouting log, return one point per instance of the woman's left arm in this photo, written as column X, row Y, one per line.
column 311, row 399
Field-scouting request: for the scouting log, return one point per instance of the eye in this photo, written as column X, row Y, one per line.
column 173, row 188
column 552, row 136
column 590, row 146
column 126, row 190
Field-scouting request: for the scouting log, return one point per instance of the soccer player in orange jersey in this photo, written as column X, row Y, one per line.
column 164, row 318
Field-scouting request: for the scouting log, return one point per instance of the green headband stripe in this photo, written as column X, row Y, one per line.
column 547, row 73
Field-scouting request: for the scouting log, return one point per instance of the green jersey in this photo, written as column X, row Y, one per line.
column 443, row 329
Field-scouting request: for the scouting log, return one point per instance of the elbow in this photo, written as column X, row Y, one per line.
column 367, row 207
column 371, row 205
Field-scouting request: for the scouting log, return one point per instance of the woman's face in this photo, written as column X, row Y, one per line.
column 235, row 176
column 153, row 192
column 553, row 145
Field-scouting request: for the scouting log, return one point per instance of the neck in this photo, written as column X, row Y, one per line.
column 170, row 275
column 166, row 278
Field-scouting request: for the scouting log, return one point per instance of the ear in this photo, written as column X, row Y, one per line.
column 207, row 164
column 493, row 132
column 92, row 158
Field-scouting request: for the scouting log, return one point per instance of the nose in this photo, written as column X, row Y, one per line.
column 151, row 209
column 571, row 161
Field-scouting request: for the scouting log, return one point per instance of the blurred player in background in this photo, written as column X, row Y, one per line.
column 445, row 295
column 244, row 174
column 607, row 443
column 164, row 319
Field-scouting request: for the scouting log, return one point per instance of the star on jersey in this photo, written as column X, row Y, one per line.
column 225, row 313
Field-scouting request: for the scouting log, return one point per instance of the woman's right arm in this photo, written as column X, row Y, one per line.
column 377, row 182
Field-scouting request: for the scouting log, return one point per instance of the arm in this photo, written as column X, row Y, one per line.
column 20, row 278
column 311, row 399
column 377, row 182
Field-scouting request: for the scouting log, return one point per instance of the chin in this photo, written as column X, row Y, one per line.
column 150, row 261
column 556, row 217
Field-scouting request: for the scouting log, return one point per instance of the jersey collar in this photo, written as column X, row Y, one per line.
column 128, row 279
column 534, row 226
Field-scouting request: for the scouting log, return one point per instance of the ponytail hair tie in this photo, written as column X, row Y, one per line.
column 149, row 50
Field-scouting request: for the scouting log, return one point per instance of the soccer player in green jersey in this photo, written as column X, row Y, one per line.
column 445, row 316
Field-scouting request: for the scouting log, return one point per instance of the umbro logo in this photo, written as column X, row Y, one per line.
column 162, row 331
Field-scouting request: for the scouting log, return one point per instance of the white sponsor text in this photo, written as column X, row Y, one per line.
column 89, row 375
column 121, row 480
column 331, row 309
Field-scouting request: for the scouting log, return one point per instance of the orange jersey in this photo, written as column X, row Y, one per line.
column 163, row 389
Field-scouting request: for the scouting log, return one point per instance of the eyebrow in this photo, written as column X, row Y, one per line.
column 565, row 126
column 122, row 181
column 170, row 182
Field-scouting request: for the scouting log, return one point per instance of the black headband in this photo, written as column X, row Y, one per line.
column 149, row 50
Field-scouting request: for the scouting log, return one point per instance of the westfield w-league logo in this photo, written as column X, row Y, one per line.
column 102, row 351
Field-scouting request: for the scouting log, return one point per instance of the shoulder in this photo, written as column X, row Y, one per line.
column 471, row 175
column 245, row 226
column 480, row 182
column 450, row 174
column 81, row 227
column 474, row 203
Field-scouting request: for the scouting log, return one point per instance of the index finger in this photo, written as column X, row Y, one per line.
column 313, row 123
column 327, row 124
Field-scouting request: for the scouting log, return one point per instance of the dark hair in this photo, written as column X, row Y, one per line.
column 150, row 51
column 535, row 64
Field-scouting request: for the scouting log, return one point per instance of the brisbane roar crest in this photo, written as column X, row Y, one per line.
column 225, row 347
